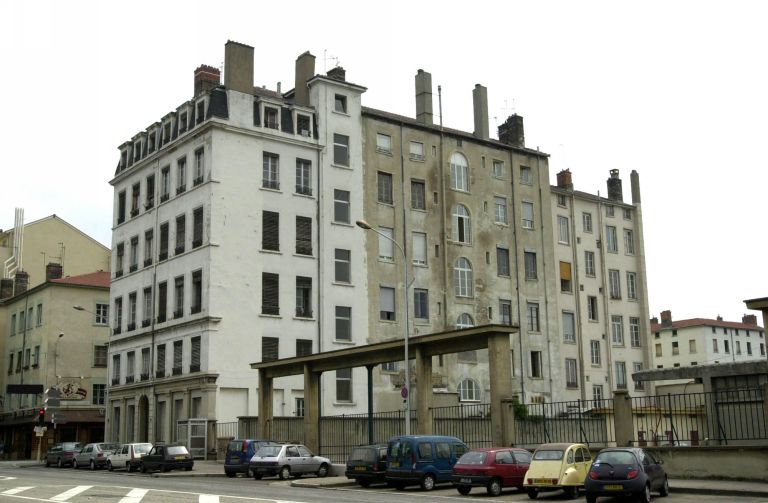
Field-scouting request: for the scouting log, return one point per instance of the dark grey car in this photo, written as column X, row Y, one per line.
column 625, row 471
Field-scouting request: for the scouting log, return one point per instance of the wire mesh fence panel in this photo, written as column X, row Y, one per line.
column 469, row 422
column 585, row 421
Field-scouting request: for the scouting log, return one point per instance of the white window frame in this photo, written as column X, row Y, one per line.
column 595, row 353
column 386, row 244
column 527, row 215
column 383, row 143
column 563, row 230
column 461, row 230
column 416, row 151
column 533, row 316
column 271, row 171
column 634, row 332
column 463, row 278
column 611, row 239
column 614, row 283
column 617, row 330
column 629, row 242
column 589, row 263
column 571, row 373
column 469, row 390
column 500, row 210
column 569, row 332
column 631, row 285
column 586, row 221
column 419, row 245
column 498, row 168
column 459, row 172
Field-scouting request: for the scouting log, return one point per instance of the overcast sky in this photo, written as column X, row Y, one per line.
column 675, row 90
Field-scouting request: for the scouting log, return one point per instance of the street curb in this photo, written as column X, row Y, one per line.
column 185, row 474
column 309, row 484
column 719, row 492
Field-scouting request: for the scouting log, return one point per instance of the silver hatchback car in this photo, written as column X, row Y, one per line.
column 287, row 460
column 94, row 455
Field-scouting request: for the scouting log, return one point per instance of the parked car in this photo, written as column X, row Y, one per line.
column 62, row 454
column 558, row 466
column 367, row 464
column 166, row 457
column 423, row 460
column 239, row 454
column 128, row 456
column 494, row 469
column 286, row 460
column 93, row 455
column 625, row 471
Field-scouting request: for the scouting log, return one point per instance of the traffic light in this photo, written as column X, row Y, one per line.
column 41, row 417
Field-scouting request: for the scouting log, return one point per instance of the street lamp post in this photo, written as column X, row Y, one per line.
column 407, row 394
column 106, row 380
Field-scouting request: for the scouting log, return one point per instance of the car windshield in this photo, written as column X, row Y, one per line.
column 548, row 455
column 616, row 458
column 363, row 454
column 176, row 450
column 268, row 451
column 235, row 445
column 142, row 448
column 472, row 458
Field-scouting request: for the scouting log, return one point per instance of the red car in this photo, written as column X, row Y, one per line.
column 493, row 468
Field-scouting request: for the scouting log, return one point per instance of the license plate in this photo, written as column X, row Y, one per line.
column 543, row 482
column 613, row 487
column 234, row 461
column 179, row 458
column 466, row 481
column 359, row 468
column 395, row 464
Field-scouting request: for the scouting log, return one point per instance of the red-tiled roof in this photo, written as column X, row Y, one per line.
column 98, row 279
column 703, row 322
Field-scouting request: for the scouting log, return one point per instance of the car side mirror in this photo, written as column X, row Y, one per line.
column 661, row 461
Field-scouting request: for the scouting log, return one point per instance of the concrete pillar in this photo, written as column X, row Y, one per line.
column 266, row 387
column 500, row 372
column 123, row 418
column 622, row 418
column 423, row 392
column 508, row 423
column 765, row 403
column 311, row 409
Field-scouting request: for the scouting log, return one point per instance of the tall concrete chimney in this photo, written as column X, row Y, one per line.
column 238, row 67
column 424, row 97
column 480, row 102
column 206, row 78
column 635, row 181
column 564, row 180
column 53, row 271
column 305, row 70
column 614, row 187
column 511, row 132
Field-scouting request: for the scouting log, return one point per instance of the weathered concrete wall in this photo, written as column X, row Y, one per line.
column 741, row 463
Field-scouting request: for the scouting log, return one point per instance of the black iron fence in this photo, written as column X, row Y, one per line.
column 339, row 434
column 469, row 422
column 586, row 421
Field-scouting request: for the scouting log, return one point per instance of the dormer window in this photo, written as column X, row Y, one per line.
column 166, row 133
column 136, row 151
column 303, row 125
column 183, row 122
column 340, row 103
column 200, row 112
column 270, row 117
column 151, row 144
column 123, row 159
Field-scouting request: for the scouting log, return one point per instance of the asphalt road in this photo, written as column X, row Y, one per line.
column 78, row 486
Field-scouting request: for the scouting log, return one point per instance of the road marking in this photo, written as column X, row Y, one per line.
column 208, row 498
column 72, row 492
column 16, row 490
column 134, row 496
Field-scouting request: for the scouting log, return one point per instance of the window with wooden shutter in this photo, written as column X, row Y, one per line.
column 162, row 301
column 270, row 222
column 270, row 349
column 194, row 365
column 178, row 347
column 197, row 227
column 160, row 361
column 303, row 235
column 163, row 252
column 197, row 292
column 270, row 290
column 565, row 276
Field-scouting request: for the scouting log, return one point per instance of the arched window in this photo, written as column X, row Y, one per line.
column 464, row 321
column 462, row 278
column 459, row 172
column 469, row 391
column 462, row 225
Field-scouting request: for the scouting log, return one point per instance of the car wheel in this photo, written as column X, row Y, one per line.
column 399, row 486
column 75, row 465
column 143, row 468
column 364, row 483
column 47, row 463
column 285, row 473
column 165, row 469
column 92, row 465
column 230, row 474
column 59, row 463
column 464, row 489
column 428, row 482
column 494, row 487
column 664, row 491
column 128, row 466
column 109, row 466
column 257, row 476
column 572, row 492
column 533, row 493
column 323, row 470
column 645, row 496
column 591, row 498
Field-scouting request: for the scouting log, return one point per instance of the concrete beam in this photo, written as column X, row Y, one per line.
column 311, row 409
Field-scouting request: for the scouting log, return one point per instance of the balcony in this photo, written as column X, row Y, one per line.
column 144, row 377
column 160, row 374
column 134, row 212
column 150, row 203
column 120, row 219
column 118, row 273
column 196, row 243
column 195, row 310
column 117, row 330
column 176, row 371
column 147, row 262
column 128, row 379
column 178, row 314
column 115, row 381
column 133, row 268
column 194, row 368
column 181, row 189
column 131, row 327
column 162, row 256
column 179, row 250
column 161, row 318
column 163, row 198
column 197, row 181
column 146, row 323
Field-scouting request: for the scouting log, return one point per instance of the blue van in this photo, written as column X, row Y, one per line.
column 239, row 454
column 423, row 460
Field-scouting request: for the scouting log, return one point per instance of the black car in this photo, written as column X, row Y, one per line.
column 367, row 464
column 625, row 471
column 166, row 457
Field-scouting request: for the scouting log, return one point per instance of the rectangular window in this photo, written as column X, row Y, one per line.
column 597, row 394
column 631, row 285
column 270, row 293
column 36, row 358
column 194, row 354
column 181, row 233
column 341, row 206
column 181, row 175
column 39, row 318
column 144, row 364
column 178, row 355
column 715, row 349
column 571, row 373
column 612, row 244
column 131, row 311
column 118, row 315
column 271, row 175
column 303, row 235
column 586, row 220
column 629, row 242
column 417, row 151
column 419, row 242
column 569, row 331
column 270, row 349
column 165, row 183
column 627, row 214
column 502, row 261
column 116, row 369
column 421, row 303
column 342, row 266
column 163, row 251
column 589, row 263
column 13, row 324
column 609, row 210
column 386, row 245
column 197, row 227
column 531, row 270
column 98, row 394
column 340, row 103
column 562, row 201
column 384, row 181
column 637, row 367
column 418, row 199
column 160, row 365
column 134, row 254
column 505, row 312
column 527, row 215
column 592, row 308
column 565, row 277
column 303, row 297
column 532, row 311
column 162, row 301
column 536, row 365
column 199, row 166
column 563, row 232
column 617, row 330
column 498, row 169
column 197, row 292
column 270, row 224
column 303, row 177
column 500, row 213
column 340, row 149
column 386, row 303
column 621, row 375
column 614, row 283
column 634, row 331
column 383, row 143
column 594, row 352
column 303, row 125
column 119, row 259
column 526, row 176
column 344, row 385
column 726, row 347
column 659, row 350
column 178, row 310
column 303, row 347
column 738, row 347
column 135, row 197
column 692, row 346
column 343, row 323
column 121, row 207
column 148, row 237
column 270, row 118
column 130, row 366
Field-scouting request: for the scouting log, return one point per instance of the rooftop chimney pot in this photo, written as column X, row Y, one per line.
column 511, row 132
column 238, row 67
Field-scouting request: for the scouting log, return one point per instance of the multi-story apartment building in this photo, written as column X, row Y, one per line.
column 702, row 341
column 235, row 242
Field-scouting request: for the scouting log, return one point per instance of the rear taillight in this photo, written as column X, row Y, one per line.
column 245, row 447
column 554, row 482
column 593, row 475
column 632, row 474
column 530, row 481
column 100, row 455
column 375, row 467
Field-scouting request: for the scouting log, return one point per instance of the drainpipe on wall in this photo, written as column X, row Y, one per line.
column 517, row 281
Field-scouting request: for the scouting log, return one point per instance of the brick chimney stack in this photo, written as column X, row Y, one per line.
column 564, row 180
column 666, row 318
column 749, row 319
column 20, row 282
column 615, row 192
column 53, row 271
column 337, row 73
column 512, row 132
column 655, row 320
column 206, row 78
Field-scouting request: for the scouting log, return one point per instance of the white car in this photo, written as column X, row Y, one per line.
column 128, row 456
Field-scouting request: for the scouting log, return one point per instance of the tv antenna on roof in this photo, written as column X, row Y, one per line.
column 326, row 58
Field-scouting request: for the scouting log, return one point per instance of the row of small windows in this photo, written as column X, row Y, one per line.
column 128, row 373
column 30, row 358
column 131, row 312
column 611, row 234
column 692, row 349
column 586, row 217
column 19, row 323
